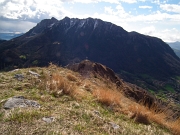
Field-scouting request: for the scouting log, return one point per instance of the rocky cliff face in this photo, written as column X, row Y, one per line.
column 72, row 40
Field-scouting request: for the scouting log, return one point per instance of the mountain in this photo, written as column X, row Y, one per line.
column 9, row 36
column 176, row 47
column 135, row 57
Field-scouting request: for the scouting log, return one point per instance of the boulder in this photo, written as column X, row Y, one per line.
column 20, row 101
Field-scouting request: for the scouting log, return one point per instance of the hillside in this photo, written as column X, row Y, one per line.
column 92, row 100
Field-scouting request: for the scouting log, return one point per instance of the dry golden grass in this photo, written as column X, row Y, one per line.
column 71, row 77
column 59, row 85
column 107, row 96
column 138, row 112
column 174, row 126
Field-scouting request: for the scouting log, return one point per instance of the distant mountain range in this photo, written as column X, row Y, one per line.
column 8, row 36
column 135, row 57
column 176, row 47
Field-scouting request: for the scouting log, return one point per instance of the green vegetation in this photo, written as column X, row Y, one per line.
column 35, row 62
column 169, row 88
column 22, row 57
column 178, row 77
column 24, row 115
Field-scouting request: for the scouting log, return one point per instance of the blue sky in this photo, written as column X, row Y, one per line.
column 159, row 18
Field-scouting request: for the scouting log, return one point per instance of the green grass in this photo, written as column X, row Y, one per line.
column 21, row 115
column 169, row 88
column 178, row 77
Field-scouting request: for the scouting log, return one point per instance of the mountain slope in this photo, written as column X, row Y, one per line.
column 79, row 103
column 72, row 40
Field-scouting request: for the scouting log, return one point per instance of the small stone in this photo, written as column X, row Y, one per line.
column 97, row 112
column 114, row 126
column 19, row 77
column 34, row 73
column 48, row 119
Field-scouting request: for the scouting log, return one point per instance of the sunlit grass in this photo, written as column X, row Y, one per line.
column 79, row 105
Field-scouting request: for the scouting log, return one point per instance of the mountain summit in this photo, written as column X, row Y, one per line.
column 71, row 40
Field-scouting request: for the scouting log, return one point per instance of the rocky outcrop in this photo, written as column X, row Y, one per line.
column 87, row 67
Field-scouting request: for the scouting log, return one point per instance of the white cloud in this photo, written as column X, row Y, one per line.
column 156, row 1
column 91, row 1
column 148, row 30
column 171, row 8
column 15, row 26
column 155, row 17
column 30, row 10
column 170, row 35
column 145, row 7
column 129, row 1
column 118, row 11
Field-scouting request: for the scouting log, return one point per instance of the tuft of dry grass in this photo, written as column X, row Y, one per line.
column 58, row 85
column 71, row 77
column 174, row 126
column 107, row 96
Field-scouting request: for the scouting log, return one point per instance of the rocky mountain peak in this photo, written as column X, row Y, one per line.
column 44, row 24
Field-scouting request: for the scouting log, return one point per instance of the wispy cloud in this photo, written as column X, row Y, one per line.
column 145, row 7
column 129, row 1
column 170, row 8
column 118, row 11
column 91, row 1
column 9, row 25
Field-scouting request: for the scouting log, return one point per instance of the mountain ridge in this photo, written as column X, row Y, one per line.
column 73, row 40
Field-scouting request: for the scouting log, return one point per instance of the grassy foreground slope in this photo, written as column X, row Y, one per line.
column 78, row 105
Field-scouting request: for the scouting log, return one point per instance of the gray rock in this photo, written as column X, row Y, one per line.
column 19, row 77
column 34, row 73
column 48, row 119
column 114, row 125
column 20, row 101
